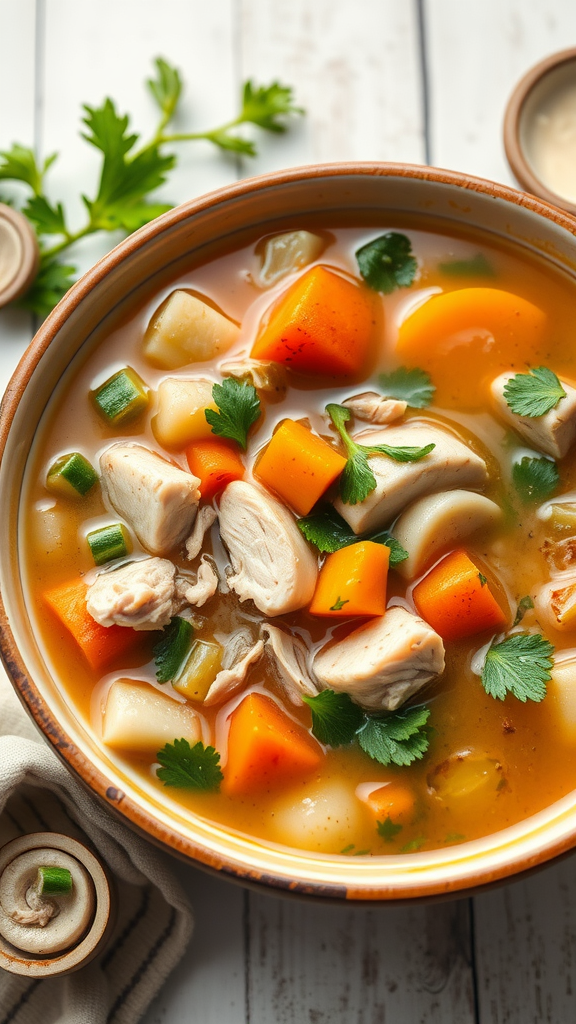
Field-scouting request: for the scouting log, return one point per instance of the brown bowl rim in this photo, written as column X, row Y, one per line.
column 93, row 778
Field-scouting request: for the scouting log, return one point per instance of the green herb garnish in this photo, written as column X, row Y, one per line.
column 524, row 605
column 329, row 532
column 387, row 829
column 172, row 648
column 339, row 604
column 534, row 393
column 413, row 845
column 535, row 478
column 387, row 262
column 412, row 386
column 483, row 579
column 239, row 408
column 477, row 266
column 335, row 717
column 398, row 738
column 519, row 665
column 187, row 767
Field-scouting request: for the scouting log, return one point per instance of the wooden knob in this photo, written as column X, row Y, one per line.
column 19, row 254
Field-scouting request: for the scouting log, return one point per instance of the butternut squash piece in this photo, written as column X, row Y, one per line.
column 456, row 600
column 352, row 581
column 298, row 465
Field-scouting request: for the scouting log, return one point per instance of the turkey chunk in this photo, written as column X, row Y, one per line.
column 384, row 662
column 272, row 564
column 142, row 595
column 290, row 659
column 158, row 500
column 375, row 408
column 451, row 464
column 554, row 433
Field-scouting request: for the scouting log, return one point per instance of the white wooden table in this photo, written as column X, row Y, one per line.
column 419, row 81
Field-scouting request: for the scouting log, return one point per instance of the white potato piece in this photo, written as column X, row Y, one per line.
column 556, row 602
column 138, row 718
column 554, row 433
column 180, row 417
column 185, row 329
column 286, row 253
column 433, row 524
column 319, row 816
column 562, row 695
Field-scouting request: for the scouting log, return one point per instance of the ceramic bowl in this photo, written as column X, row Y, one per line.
column 136, row 268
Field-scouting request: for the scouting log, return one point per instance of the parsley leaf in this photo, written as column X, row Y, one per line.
column 329, row 532
column 47, row 219
column 535, row 478
column 52, row 282
column 411, row 386
column 387, row 829
column 519, row 665
column 171, row 649
column 477, row 266
column 358, row 481
column 387, row 262
column 398, row 738
column 264, row 104
column 239, row 407
column 534, row 393
column 397, row 552
column 187, row 767
column 524, row 604
column 483, row 580
column 166, row 88
column 413, row 845
column 19, row 164
column 335, row 717
column 339, row 604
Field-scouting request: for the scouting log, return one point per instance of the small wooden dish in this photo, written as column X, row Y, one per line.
column 19, row 254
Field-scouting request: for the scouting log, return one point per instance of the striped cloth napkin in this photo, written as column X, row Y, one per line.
column 154, row 923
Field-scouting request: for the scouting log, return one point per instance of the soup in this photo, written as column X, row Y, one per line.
column 298, row 540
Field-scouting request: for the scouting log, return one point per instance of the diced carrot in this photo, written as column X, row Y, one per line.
column 324, row 323
column 215, row 463
column 100, row 645
column 392, row 801
column 352, row 581
column 463, row 336
column 299, row 466
column 456, row 600
column 266, row 748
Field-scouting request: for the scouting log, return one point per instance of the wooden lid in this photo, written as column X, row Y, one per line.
column 19, row 254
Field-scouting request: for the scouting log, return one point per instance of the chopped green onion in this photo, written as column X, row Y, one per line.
column 172, row 648
column 53, row 881
column 199, row 670
column 122, row 397
column 109, row 542
column 71, row 475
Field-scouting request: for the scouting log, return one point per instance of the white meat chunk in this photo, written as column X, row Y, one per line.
column 157, row 499
column 554, row 433
column 451, row 464
column 266, row 375
column 240, row 653
column 374, row 408
column 142, row 595
column 204, row 520
column 383, row 663
column 290, row 656
column 556, row 602
column 272, row 564
column 205, row 586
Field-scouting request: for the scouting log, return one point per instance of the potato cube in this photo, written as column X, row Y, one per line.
column 140, row 719
column 284, row 254
column 562, row 693
column 180, row 418
column 185, row 329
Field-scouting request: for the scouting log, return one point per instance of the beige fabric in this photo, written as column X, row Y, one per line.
column 154, row 923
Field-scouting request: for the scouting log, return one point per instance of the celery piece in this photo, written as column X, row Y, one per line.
column 71, row 475
column 172, row 648
column 53, row 881
column 112, row 541
column 199, row 670
column 122, row 397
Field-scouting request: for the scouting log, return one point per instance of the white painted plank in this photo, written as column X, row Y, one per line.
column 355, row 69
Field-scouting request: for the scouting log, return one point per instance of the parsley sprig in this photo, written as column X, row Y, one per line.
column 535, row 478
column 239, row 408
column 187, row 767
column 387, row 829
column 387, row 262
column 534, row 393
column 519, row 665
column 329, row 532
column 411, row 386
column 357, row 480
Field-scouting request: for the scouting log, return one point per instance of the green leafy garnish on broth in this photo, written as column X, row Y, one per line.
column 397, row 552
column 358, row 481
column 387, row 262
column 361, row 853
column 348, row 848
column 413, row 845
column 172, row 648
column 454, row 837
column 534, row 393
column 519, row 665
column 524, row 605
column 483, row 580
column 239, row 408
column 387, row 829
column 187, row 767
column 477, row 266
column 535, row 478
column 335, row 717
column 329, row 532
column 412, row 386
column 398, row 738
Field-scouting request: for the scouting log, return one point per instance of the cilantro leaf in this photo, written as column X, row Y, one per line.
column 524, row 604
column 263, row 104
column 477, row 266
column 166, row 88
column 335, row 717
column 187, row 767
column 535, row 478
column 171, row 649
column 397, row 552
column 387, row 829
column 413, row 845
column 398, row 738
column 51, row 283
column 534, row 393
column 19, row 164
column 387, row 262
column 483, row 580
column 329, row 532
column 411, row 386
column 239, row 408
column 47, row 219
column 519, row 665
column 339, row 604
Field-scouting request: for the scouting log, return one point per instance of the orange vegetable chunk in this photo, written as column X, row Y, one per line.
column 352, row 581
column 455, row 601
column 463, row 336
column 323, row 324
column 100, row 645
column 299, row 466
column 393, row 801
column 266, row 748
column 215, row 463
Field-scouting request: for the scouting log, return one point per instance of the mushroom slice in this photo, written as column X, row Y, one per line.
column 375, row 408
column 142, row 594
column 283, row 254
column 240, row 652
column 204, row 520
column 432, row 524
column 205, row 586
column 384, row 662
column 272, row 564
column 291, row 658
column 554, row 433
column 263, row 374
column 556, row 602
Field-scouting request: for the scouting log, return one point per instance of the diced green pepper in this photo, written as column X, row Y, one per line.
column 52, row 881
column 199, row 670
column 71, row 475
column 122, row 397
column 172, row 648
column 109, row 542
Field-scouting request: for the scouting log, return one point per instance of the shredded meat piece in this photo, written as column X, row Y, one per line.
column 240, row 652
column 205, row 586
column 290, row 656
column 204, row 520
column 560, row 555
column 266, row 376
column 374, row 408
column 142, row 595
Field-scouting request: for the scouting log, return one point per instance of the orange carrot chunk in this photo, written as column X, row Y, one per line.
column 323, row 324
column 215, row 463
column 456, row 600
column 100, row 645
column 266, row 748
column 352, row 581
column 392, row 801
column 299, row 466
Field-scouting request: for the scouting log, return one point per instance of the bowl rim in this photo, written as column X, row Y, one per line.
column 92, row 777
